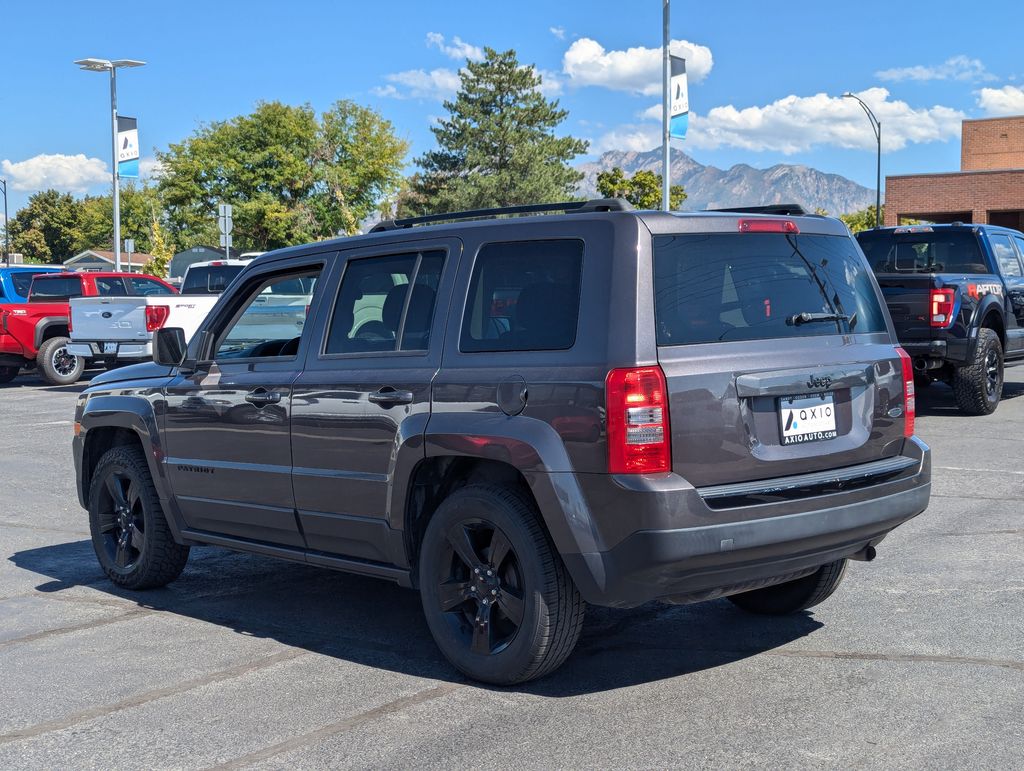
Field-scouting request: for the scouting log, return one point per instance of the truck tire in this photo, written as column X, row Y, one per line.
column 7, row 374
column 56, row 366
column 793, row 596
column 497, row 598
column 978, row 386
column 130, row 534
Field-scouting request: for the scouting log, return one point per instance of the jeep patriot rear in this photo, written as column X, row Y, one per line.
column 518, row 416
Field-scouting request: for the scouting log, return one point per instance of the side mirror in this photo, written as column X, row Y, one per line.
column 169, row 346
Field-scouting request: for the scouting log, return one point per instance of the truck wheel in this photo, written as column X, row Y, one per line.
column 498, row 600
column 56, row 365
column 130, row 534
column 978, row 385
column 7, row 374
column 793, row 596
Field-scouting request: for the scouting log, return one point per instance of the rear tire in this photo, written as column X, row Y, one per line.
column 497, row 598
column 7, row 374
column 979, row 385
column 130, row 534
column 56, row 366
column 793, row 596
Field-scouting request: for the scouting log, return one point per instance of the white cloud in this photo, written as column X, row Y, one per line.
column 1008, row 100
column 438, row 84
column 150, row 168
column 558, row 32
column 67, row 173
column 638, row 69
column 458, row 49
column 954, row 68
column 550, row 83
column 797, row 123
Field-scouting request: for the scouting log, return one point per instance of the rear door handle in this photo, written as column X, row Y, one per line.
column 262, row 397
column 388, row 396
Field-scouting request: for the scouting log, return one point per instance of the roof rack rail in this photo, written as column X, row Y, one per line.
column 568, row 207
column 783, row 209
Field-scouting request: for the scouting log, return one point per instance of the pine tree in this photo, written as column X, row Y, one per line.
column 497, row 147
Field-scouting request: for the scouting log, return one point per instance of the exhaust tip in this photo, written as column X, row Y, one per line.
column 867, row 554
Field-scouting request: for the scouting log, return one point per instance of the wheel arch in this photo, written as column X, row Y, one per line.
column 49, row 327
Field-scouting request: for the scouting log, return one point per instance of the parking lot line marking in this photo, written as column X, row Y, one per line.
column 77, row 627
column 92, row 713
column 341, row 726
column 901, row 658
column 44, row 529
column 977, row 470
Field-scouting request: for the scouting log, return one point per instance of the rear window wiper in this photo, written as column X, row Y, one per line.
column 805, row 318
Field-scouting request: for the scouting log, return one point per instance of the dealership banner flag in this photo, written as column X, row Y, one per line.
column 127, row 147
column 679, row 106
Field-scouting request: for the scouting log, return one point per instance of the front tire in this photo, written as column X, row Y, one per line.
column 497, row 598
column 130, row 534
column 793, row 596
column 7, row 374
column 979, row 385
column 56, row 365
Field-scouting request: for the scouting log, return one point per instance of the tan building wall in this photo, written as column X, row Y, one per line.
column 993, row 143
column 992, row 197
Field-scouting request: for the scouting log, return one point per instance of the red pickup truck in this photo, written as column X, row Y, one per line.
column 35, row 334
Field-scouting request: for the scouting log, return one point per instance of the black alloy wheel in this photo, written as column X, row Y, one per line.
column 481, row 586
column 121, row 525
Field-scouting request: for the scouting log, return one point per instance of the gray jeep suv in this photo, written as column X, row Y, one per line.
column 518, row 415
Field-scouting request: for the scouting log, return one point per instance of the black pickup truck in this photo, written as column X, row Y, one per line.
column 956, row 297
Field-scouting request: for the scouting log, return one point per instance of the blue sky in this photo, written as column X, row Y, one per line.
column 763, row 86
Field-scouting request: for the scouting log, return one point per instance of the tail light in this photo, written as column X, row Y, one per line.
column 942, row 303
column 156, row 316
column 909, row 402
column 637, row 412
column 768, row 226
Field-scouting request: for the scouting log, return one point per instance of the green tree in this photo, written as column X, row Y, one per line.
column 643, row 189
column 289, row 176
column 140, row 205
column 861, row 220
column 44, row 229
column 497, row 146
column 161, row 250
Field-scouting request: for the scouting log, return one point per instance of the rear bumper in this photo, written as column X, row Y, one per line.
column 698, row 563
column 94, row 349
column 956, row 351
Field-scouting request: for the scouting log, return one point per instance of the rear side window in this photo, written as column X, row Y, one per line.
column 753, row 286
column 111, row 287
column 56, row 289
column 210, row 279
column 386, row 304
column 147, row 287
column 929, row 251
column 1005, row 254
column 524, row 296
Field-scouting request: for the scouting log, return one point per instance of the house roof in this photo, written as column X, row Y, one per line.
column 138, row 258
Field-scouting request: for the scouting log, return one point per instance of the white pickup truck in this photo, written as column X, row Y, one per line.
column 119, row 330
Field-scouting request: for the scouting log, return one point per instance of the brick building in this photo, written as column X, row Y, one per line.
column 989, row 188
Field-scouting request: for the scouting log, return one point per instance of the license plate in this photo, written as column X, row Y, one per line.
column 807, row 418
column 110, row 348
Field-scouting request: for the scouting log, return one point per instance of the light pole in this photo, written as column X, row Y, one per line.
column 7, row 227
column 105, row 65
column 876, row 126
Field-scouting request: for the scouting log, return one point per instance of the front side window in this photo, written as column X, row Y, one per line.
column 386, row 304
column 272, row 321
column 755, row 286
column 524, row 296
column 1006, row 257
column 147, row 286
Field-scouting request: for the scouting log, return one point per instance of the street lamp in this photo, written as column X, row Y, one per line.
column 7, row 227
column 105, row 65
column 876, row 126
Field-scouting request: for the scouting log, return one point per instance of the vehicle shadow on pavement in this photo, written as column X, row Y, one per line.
column 376, row 623
column 937, row 399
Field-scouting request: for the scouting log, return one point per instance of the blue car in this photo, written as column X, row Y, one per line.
column 16, row 279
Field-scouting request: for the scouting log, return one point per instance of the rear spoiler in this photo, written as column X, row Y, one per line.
column 779, row 209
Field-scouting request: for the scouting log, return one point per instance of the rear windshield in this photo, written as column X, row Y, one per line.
column 22, row 280
column 939, row 251
column 56, row 289
column 756, row 286
column 210, row 279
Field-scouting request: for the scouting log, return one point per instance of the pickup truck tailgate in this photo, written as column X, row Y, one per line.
column 117, row 319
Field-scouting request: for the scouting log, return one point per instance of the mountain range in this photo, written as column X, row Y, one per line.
column 708, row 187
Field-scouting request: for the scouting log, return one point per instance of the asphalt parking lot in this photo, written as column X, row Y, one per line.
column 917, row 661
